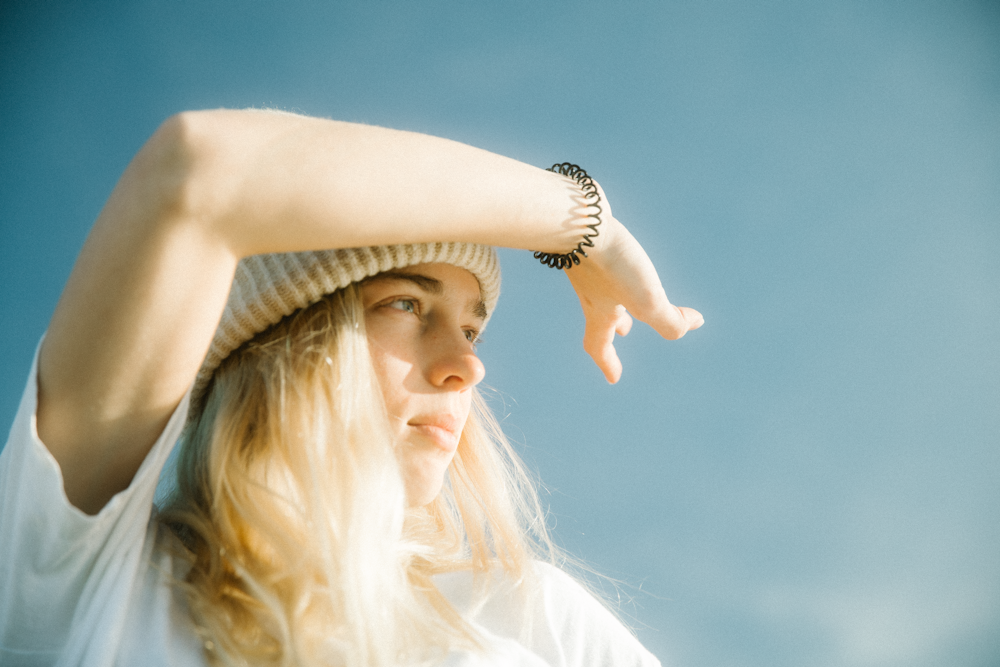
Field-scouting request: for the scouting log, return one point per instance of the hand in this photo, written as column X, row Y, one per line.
column 618, row 278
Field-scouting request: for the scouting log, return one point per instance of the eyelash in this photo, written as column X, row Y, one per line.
column 472, row 335
column 412, row 302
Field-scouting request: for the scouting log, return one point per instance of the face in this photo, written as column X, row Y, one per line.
column 422, row 324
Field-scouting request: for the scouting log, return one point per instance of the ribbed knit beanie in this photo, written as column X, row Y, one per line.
column 272, row 286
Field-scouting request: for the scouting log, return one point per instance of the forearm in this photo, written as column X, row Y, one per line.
column 145, row 296
column 278, row 182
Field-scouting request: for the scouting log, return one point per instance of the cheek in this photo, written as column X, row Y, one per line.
column 391, row 369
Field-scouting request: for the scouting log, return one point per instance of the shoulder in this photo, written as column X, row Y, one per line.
column 551, row 615
column 564, row 599
column 557, row 581
column 585, row 631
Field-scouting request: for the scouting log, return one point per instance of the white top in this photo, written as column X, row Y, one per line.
column 94, row 590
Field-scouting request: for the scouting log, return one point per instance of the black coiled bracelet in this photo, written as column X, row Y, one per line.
column 592, row 199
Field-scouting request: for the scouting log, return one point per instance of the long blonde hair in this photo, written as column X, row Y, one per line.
column 290, row 508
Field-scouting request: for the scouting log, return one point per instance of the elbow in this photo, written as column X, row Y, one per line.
column 170, row 169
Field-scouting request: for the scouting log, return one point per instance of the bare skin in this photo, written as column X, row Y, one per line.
column 140, row 307
column 422, row 323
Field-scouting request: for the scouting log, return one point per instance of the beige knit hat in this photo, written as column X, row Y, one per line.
column 269, row 287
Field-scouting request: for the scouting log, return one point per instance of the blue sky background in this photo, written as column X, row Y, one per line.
column 811, row 479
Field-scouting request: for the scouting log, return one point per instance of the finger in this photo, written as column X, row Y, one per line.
column 672, row 322
column 624, row 324
column 693, row 317
column 598, row 342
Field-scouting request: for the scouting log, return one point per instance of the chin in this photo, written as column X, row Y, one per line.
column 422, row 498
column 423, row 491
column 423, row 476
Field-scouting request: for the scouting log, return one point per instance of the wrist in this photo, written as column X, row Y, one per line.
column 590, row 209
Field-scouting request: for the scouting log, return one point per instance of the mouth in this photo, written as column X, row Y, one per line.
column 444, row 430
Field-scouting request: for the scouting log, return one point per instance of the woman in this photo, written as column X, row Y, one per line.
column 341, row 497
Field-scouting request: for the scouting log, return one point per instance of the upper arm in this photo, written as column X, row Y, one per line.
column 145, row 296
column 134, row 320
column 581, row 629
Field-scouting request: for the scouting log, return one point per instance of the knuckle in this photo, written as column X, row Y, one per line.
column 674, row 333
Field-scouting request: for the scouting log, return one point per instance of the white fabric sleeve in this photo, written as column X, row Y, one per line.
column 570, row 627
column 557, row 623
column 66, row 577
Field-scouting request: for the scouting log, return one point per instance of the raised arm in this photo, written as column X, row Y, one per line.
column 142, row 303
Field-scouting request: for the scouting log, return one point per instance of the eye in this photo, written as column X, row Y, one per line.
column 472, row 336
column 406, row 305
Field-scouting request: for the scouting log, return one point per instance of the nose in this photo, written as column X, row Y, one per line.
column 452, row 363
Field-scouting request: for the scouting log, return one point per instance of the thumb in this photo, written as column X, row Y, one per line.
column 624, row 323
column 673, row 322
column 599, row 338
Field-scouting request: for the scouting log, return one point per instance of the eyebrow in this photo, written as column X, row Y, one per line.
column 428, row 284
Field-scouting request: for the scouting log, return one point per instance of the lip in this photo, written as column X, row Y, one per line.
column 445, row 430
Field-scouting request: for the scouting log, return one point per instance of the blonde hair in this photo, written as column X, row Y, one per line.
column 291, row 508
